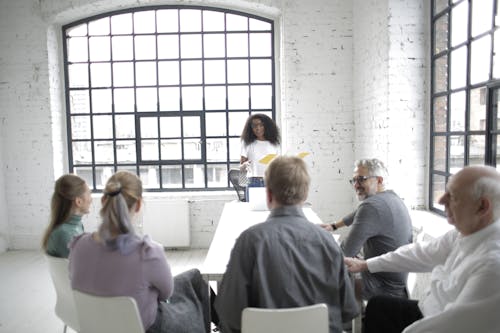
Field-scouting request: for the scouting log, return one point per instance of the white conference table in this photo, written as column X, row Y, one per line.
column 236, row 217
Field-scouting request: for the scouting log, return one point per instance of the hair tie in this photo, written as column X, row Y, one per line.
column 114, row 193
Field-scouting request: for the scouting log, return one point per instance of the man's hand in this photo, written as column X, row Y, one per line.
column 355, row 265
column 327, row 227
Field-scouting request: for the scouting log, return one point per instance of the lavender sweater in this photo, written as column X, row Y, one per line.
column 144, row 274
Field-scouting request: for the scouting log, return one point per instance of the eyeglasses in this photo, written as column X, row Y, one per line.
column 360, row 179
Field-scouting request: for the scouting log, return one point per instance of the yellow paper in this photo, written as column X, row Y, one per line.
column 268, row 158
column 303, row 154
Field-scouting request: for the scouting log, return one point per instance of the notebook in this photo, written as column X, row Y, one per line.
column 257, row 198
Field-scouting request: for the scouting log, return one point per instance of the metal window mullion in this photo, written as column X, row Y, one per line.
column 138, row 136
column 181, row 106
column 203, row 118
column 160, row 177
column 91, row 115
column 115, row 154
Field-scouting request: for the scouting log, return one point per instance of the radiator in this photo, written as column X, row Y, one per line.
column 167, row 222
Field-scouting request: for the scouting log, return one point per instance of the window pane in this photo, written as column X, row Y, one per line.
column 217, row 175
column 480, row 59
column 79, row 101
column 190, row 20
column 170, row 127
column 103, row 151
column 145, row 73
column 214, row 46
column 144, row 22
column 458, row 68
column 171, row 150
column 441, row 34
column 439, row 5
column 146, row 99
column 237, row 45
column 441, row 74
column 77, row 49
column 78, row 75
column 481, row 9
column 438, row 189
column 123, row 74
column 125, row 126
column 100, row 48
column 256, row 25
column 215, row 124
column 457, row 114
column 99, row 27
column 457, row 153
column 85, row 173
column 123, row 48
column 261, row 97
column 459, row 20
column 168, row 47
column 191, row 46
column 477, row 120
column 149, row 176
column 149, row 127
column 79, row 30
column 192, row 149
column 261, row 71
column 103, row 127
column 191, row 72
column 167, row 20
column 103, row 173
column 100, row 74
column 124, row 100
column 169, row 99
column 439, row 158
column 216, row 150
column 215, row 71
column 235, row 148
column 171, row 176
column 440, row 113
column 192, row 98
column 192, row 126
column 168, row 72
column 236, row 22
column 82, row 152
column 121, row 24
column 213, row 21
column 125, row 151
column 237, row 71
column 215, row 98
column 477, row 149
column 149, row 150
column 238, row 97
column 237, row 122
column 80, row 127
column 145, row 47
column 101, row 101
column 260, row 45
column 194, row 176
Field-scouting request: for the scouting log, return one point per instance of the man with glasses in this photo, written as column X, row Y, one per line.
column 380, row 224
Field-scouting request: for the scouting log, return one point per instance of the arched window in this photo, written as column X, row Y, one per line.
column 164, row 92
column 465, row 86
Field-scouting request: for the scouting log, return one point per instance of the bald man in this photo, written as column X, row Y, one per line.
column 464, row 292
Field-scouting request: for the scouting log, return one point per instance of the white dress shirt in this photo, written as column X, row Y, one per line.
column 464, row 292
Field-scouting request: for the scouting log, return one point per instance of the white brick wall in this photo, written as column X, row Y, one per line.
column 352, row 84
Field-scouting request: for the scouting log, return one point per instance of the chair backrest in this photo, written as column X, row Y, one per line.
column 107, row 314
column 65, row 304
column 235, row 179
column 306, row 319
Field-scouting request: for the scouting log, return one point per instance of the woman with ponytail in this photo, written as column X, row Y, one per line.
column 70, row 201
column 115, row 261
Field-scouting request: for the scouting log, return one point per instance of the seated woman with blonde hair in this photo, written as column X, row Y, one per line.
column 115, row 261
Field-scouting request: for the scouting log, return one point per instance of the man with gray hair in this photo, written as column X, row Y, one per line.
column 380, row 224
column 463, row 293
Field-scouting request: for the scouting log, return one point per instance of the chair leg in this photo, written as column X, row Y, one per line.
column 65, row 327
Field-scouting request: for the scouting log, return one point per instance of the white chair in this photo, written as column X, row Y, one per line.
column 65, row 303
column 98, row 314
column 306, row 319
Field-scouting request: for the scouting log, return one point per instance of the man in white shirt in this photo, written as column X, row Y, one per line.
column 464, row 290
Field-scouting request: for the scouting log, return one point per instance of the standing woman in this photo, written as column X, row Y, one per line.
column 259, row 138
column 70, row 201
column 115, row 261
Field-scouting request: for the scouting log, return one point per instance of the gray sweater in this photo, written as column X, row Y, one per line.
column 380, row 224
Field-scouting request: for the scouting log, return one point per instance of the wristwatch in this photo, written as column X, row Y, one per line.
column 334, row 227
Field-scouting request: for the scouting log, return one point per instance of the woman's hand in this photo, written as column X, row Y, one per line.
column 355, row 265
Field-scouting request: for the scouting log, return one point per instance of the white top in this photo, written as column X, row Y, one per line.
column 464, row 291
column 254, row 152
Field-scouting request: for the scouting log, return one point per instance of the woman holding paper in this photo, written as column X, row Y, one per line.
column 260, row 137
